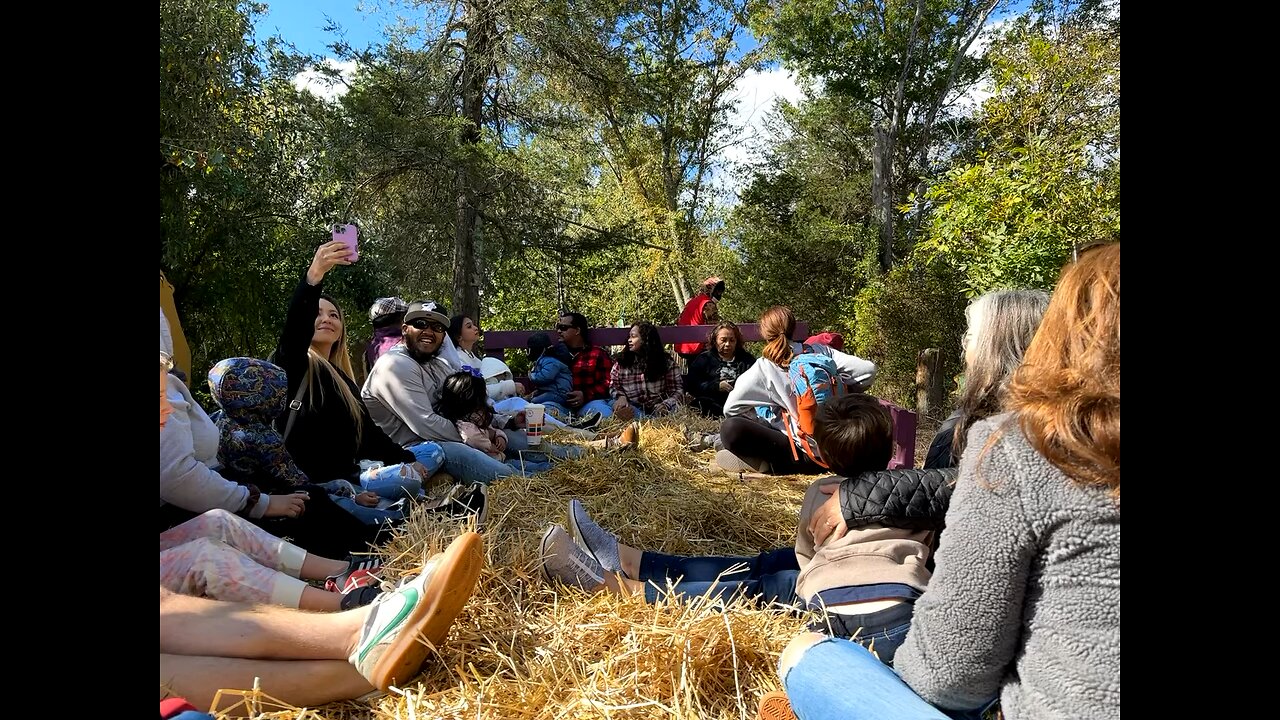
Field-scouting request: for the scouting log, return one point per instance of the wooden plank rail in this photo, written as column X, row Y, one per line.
column 496, row 342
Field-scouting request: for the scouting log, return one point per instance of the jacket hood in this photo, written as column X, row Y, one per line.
column 249, row 388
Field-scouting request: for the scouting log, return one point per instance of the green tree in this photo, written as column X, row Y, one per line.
column 1048, row 177
column 237, row 205
column 904, row 61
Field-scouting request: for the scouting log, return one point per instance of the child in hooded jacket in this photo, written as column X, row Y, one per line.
column 550, row 373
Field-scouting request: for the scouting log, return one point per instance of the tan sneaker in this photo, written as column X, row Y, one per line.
column 630, row 434
column 404, row 625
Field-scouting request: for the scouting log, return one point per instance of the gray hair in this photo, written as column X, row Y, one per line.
column 1001, row 326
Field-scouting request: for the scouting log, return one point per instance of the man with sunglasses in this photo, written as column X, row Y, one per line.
column 590, row 367
column 405, row 385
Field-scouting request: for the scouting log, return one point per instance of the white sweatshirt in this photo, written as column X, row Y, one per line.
column 766, row 385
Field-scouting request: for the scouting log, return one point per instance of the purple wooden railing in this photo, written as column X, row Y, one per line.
column 497, row 341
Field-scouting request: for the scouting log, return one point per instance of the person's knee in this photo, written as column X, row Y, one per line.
column 732, row 433
column 220, row 519
column 795, row 650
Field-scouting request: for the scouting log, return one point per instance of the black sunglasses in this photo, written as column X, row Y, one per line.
column 424, row 324
column 562, row 327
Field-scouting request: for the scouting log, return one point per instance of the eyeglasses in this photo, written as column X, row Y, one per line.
column 424, row 324
column 562, row 327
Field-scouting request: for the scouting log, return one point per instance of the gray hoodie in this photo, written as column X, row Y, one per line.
column 1025, row 599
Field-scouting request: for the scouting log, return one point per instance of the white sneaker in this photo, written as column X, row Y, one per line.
column 405, row 624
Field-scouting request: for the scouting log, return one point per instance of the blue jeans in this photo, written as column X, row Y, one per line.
column 563, row 413
column 840, row 680
column 367, row 515
column 470, row 465
column 518, row 442
column 882, row 631
column 769, row 576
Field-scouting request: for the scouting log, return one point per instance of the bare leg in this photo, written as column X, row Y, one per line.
column 629, row 558
column 319, row 600
column 300, row 683
column 796, row 650
column 200, row 626
column 315, row 567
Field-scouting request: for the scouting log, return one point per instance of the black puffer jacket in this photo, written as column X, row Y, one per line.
column 907, row 498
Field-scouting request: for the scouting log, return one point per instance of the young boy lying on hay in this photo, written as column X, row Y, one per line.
column 860, row 557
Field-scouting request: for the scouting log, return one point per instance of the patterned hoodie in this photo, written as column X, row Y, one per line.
column 252, row 393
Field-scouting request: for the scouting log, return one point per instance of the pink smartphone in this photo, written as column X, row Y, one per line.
column 349, row 235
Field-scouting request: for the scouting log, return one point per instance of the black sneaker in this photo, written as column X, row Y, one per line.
column 586, row 422
column 472, row 501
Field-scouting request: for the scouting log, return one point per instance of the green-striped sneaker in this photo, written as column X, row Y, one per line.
column 405, row 624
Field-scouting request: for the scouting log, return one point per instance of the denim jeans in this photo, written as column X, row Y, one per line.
column 389, row 482
column 840, row 680
column 518, row 446
column 604, row 407
column 769, row 576
column 469, row 465
column 368, row 515
column 882, row 631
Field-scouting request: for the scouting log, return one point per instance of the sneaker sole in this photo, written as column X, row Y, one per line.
column 542, row 553
column 576, row 533
column 776, row 706
column 445, row 594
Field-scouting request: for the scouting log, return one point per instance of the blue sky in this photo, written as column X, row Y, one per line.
column 302, row 23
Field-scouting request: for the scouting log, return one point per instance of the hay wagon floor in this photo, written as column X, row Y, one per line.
column 524, row 648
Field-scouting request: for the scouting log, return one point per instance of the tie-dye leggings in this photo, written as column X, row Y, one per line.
column 225, row 557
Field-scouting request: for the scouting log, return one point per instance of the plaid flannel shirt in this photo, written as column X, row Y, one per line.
column 591, row 368
column 660, row 396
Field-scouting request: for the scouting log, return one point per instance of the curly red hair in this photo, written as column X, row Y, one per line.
column 1066, row 394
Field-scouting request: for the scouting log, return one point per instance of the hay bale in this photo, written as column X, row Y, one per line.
column 527, row 649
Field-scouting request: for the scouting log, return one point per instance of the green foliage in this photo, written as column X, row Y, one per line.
column 912, row 307
column 1049, row 176
column 802, row 226
column 237, row 216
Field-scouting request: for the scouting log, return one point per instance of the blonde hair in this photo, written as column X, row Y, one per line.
column 338, row 367
column 776, row 325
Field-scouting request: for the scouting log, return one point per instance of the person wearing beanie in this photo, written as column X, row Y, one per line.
column 387, row 315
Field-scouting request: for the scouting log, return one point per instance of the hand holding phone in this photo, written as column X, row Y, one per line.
column 348, row 235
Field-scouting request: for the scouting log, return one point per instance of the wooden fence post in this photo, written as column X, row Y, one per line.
column 928, row 381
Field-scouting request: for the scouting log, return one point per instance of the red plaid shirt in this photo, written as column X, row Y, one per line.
column 591, row 373
column 658, row 397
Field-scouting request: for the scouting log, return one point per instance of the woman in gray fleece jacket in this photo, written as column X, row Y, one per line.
column 1025, row 602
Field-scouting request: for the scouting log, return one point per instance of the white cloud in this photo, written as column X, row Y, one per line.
column 323, row 85
column 756, row 92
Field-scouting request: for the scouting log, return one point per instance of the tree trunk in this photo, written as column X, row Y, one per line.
column 928, row 381
column 466, row 265
column 681, row 298
column 882, row 192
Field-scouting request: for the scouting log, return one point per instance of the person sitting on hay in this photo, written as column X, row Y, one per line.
column 863, row 580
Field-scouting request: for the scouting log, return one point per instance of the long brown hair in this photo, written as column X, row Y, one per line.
column 336, row 365
column 776, row 325
column 1067, row 392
